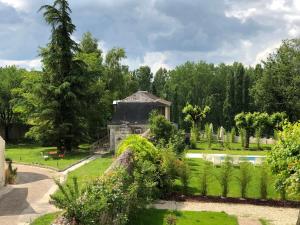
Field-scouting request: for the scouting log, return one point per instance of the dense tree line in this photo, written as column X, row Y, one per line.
column 70, row 100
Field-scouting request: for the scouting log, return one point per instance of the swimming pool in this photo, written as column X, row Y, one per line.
column 219, row 158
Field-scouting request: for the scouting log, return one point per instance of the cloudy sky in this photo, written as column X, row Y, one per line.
column 157, row 32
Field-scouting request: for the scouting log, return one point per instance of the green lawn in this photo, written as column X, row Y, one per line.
column 90, row 171
column 46, row 219
column 214, row 188
column 235, row 149
column 32, row 154
column 158, row 217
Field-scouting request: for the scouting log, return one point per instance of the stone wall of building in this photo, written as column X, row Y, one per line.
column 2, row 162
column 120, row 132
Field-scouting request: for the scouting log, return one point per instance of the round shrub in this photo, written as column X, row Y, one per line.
column 141, row 147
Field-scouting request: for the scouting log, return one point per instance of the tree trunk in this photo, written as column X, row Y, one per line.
column 298, row 221
column 247, row 139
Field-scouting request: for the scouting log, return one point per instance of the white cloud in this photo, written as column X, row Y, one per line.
column 264, row 54
column 28, row 64
column 17, row 4
column 242, row 15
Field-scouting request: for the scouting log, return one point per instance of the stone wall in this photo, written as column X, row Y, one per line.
column 2, row 162
column 117, row 133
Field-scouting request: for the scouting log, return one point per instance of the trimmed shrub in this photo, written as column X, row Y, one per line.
column 142, row 148
column 227, row 140
column 232, row 135
column 264, row 181
column 206, row 171
column 244, row 177
column 209, row 134
column 225, row 176
column 177, row 142
column 184, row 174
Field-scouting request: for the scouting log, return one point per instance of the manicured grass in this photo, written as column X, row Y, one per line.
column 214, row 188
column 89, row 171
column 32, row 154
column 46, row 219
column 158, row 217
column 235, row 149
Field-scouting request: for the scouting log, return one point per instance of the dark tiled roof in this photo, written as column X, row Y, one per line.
column 144, row 97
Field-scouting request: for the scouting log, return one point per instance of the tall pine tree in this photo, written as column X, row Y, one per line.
column 59, row 119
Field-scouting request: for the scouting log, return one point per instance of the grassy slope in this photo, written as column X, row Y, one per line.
column 214, row 188
column 32, row 154
column 158, row 217
column 46, row 219
column 90, row 171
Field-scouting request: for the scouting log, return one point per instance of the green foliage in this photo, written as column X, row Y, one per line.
column 242, row 137
column 204, row 177
column 142, row 148
column 159, row 83
column 177, row 142
column 165, row 133
column 161, row 128
column 171, row 219
column 284, row 159
column 69, row 200
column 195, row 114
column 183, row 173
column 225, row 176
column 209, row 133
column 144, row 78
column 11, row 79
column 59, row 116
column 232, row 135
column 227, row 140
column 275, row 89
column 244, row 178
column 264, row 181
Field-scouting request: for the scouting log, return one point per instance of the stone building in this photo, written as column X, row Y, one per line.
column 2, row 162
column 131, row 115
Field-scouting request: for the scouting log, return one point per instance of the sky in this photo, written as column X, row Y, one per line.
column 158, row 33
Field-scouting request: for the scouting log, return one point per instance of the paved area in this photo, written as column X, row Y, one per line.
column 247, row 214
column 29, row 198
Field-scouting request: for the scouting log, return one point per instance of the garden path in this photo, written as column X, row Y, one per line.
column 29, row 198
column 247, row 214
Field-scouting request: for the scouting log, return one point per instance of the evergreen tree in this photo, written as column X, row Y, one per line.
column 159, row 82
column 144, row 78
column 239, row 73
column 58, row 118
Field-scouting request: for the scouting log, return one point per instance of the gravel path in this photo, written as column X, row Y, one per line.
column 247, row 214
